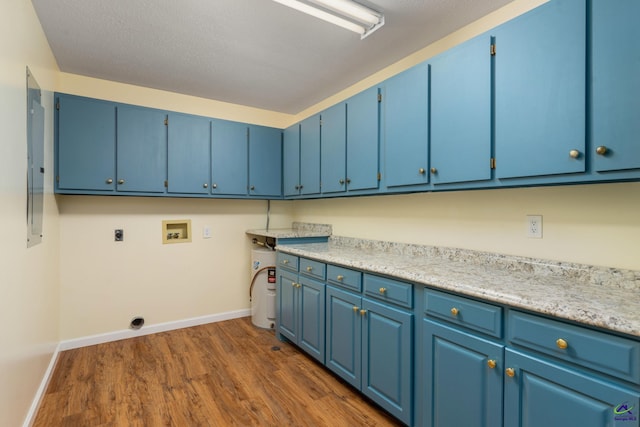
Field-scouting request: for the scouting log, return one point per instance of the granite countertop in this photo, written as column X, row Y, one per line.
column 297, row 230
column 603, row 297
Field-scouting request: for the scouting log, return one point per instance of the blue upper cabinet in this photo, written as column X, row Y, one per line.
column 86, row 144
column 229, row 157
column 363, row 141
column 142, row 149
column 334, row 149
column 615, row 84
column 461, row 113
column 189, row 154
column 310, row 155
column 265, row 161
column 406, row 115
column 291, row 160
column 540, row 91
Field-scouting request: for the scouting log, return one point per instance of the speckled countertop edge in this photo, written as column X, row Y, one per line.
column 607, row 298
column 297, row 230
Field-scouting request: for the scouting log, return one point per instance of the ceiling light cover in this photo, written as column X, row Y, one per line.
column 344, row 13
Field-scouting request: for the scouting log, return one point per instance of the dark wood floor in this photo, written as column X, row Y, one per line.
column 220, row 374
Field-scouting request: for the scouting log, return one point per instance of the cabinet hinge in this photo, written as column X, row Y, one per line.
column 493, row 49
column 166, row 121
column 379, row 176
column 166, row 184
column 320, row 122
column 58, row 105
column 492, row 163
column 379, row 97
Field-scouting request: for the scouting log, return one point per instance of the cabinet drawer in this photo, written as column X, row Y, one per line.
column 389, row 290
column 475, row 315
column 619, row 357
column 312, row 268
column 290, row 262
column 344, row 277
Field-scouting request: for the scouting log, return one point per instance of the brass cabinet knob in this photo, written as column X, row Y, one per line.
column 562, row 344
column 309, row 268
column 214, row 185
column 293, row 284
column 285, row 261
column 602, row 150
column 341, row 181
column 574, row 154
column 121, row 181
column 454, row 311
column 383, row 290
column 363, row 312
column 340, row 278
column 355, row 309
column 510, row 372
column 491, row 363
column 348, row 180
column 421, row 171
column 109, row 181
column 205, row 185
column 434, row 171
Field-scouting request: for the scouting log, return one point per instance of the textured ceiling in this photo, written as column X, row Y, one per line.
column 249, row 52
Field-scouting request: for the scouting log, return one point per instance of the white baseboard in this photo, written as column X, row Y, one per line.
column 35, row 404
column 152, row 329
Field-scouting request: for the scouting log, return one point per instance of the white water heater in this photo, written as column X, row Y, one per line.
column 263, row 287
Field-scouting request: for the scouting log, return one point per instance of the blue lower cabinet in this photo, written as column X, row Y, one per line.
column 463, row 378
column 344, row 329
column 387, row 358
column 545, row 393
column 301, row 312
column 370, row 345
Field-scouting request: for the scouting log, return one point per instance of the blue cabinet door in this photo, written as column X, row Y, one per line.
column 86, row 144
column 543, row 393
column 334, row 149
column 615, row 58
column 310, row 155
column 311, row 316
column 189, row 154
column 229, row 157
column 363, row 140
column 344, row 332
column 406, row 133
column 540, row 91
column 265, row 161
column 461, row 113
column 462, row 379
column 387, row 358
column 287, row 305
column 291, row 160
column 142, row 149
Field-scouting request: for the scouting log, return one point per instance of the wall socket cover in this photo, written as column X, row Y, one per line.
column 534, row 226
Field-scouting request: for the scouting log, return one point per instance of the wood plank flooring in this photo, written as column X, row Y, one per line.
column 220, row 374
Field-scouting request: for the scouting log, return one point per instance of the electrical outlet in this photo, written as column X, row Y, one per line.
column 206, row 232
column 534, row 226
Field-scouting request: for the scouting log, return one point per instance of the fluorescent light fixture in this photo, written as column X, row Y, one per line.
column 344, row 13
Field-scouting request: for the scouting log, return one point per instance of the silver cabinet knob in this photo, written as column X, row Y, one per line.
column 574, row 154
column 341, row 181
column 109, row 181
column 214, row 185
column 121, row 181
column 205, row 185
column 253, row 187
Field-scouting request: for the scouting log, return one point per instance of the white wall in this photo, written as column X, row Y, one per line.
column 591, row 224
column 29, row 309
column 104, row 284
